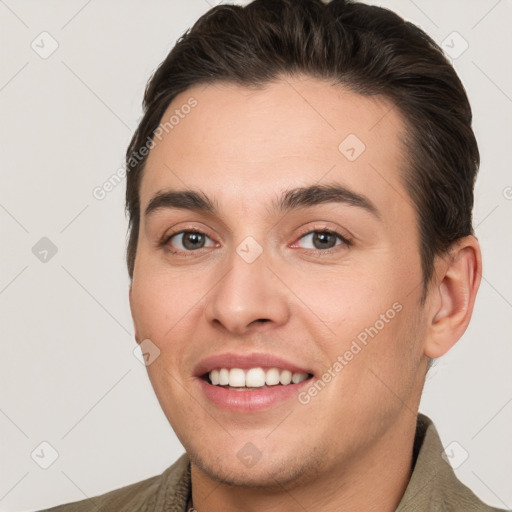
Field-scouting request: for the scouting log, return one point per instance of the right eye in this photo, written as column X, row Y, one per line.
column 188, row 241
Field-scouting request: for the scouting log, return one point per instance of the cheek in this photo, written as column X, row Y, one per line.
column 348, row 301
column 157, row 304
column 370, row 322
column 161, row 310
column 377, row 358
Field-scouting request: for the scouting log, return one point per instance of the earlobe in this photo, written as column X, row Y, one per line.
column 458, row 279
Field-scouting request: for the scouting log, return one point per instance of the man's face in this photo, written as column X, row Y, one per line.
column 293, row 289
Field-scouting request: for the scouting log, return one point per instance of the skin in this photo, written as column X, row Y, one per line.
column 350, row 447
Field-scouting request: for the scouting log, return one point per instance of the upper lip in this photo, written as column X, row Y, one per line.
column 246, row 361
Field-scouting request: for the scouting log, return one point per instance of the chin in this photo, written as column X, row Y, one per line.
column 270, row 471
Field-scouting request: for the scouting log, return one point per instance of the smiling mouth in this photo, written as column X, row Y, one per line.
column 252, row 379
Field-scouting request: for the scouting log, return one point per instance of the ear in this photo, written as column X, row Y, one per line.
column 457, row 278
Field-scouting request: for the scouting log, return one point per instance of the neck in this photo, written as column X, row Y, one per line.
column 373, row 481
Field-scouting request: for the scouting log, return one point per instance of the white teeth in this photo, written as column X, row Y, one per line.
column 285, row 377
column 236, row 378
column 254, row 377
column 223, row 377
column 298, row 377
column 214, row 377
column 272, row 377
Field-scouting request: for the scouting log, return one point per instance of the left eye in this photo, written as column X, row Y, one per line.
column 190, row 240
column 323, row 239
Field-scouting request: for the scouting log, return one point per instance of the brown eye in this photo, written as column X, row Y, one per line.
column 188, row 240
column 322, row 240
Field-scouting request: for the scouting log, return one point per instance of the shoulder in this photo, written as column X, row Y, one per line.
column 433, row 484
column 171, row 487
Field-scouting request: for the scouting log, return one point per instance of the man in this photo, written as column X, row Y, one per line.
column 301, row 249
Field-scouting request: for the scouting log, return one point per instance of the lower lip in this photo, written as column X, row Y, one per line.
column 249, row 401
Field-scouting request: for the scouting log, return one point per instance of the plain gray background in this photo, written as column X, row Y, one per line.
column 68, row 373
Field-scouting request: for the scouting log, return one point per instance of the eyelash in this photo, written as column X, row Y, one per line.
column 346, row 242
column 323, row 252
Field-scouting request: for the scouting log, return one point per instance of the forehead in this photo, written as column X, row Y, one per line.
column 250, row 143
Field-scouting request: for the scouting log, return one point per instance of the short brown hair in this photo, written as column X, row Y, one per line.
column 367, row 49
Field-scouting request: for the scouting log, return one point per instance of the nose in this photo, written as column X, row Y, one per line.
column 248, row 297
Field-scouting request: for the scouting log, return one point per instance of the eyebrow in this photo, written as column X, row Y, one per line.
column 294, row 199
